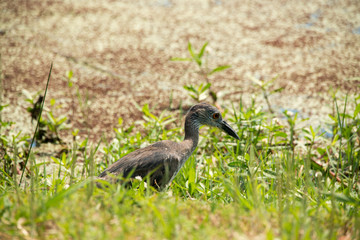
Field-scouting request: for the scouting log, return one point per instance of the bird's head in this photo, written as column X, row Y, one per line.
column 205, row 114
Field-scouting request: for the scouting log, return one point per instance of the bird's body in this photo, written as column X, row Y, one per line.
column 162, row 160
column 157, row 159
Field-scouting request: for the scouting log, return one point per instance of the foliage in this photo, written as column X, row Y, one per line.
column 204, row 72
column 265, row 89
column 278, row 181
column 49, row 126
column 13, row 147
column 198, row 93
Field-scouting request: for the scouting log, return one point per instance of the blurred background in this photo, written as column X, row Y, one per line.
column 110, row 57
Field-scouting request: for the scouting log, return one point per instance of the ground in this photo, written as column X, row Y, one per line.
column 120, row 51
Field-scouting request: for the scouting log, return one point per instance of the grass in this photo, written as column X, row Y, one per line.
column 277, row 182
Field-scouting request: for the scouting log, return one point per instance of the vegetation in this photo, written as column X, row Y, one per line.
column 277, row 182
column 198, row 93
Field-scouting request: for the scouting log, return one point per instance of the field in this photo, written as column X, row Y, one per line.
column 284, row 74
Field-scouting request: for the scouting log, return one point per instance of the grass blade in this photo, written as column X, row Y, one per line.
column 37, row 125
column 220, row 68
column 201, row 53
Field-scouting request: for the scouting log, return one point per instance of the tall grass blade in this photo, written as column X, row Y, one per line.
column 37, row 125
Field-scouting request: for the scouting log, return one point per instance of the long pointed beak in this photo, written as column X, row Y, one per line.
column 228, row 129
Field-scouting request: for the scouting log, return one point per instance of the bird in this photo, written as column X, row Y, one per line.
column 161, row 161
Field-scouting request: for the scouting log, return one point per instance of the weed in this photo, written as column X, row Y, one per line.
column 265, row 89
column 204, row 72
column 198, row 93
column 50, row 126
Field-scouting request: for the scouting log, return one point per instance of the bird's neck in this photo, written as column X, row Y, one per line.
column 191, row 132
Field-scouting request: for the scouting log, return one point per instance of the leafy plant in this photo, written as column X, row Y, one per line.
column 56, row 124
column 265, row 89
column 204, row 71
column 156, row 125
column 198, row 93
column 50, row 126
column 12, row 152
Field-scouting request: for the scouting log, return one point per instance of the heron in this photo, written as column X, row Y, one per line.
column 161, row 161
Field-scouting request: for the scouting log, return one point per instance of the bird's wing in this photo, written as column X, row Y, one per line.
column 157, row 159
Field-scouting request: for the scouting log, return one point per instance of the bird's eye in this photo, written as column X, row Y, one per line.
column 216, row 115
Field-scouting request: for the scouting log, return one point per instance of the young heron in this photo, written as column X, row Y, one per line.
column 163, row 160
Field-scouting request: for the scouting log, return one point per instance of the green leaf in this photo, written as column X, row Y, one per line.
column 75, row 132
column 190, row 89
column 4, row 139
column 3, row 106
column 146, row 111
column 169, row 121
column 295, row 117
column 280, row 134
column 69, row 74
column 192, row 175
column 84, row 143
column 333, row 118
column 194, row 97
column 51, row 118
column 192, row 54
column 120, row 121
column 321, row 151
column 201, row 53
column 198, row 61
column 236, row 164
column 52, row 128
column 220, row 68
column 277, row 90
column 357, row 110
column 312, row 132
column 62, row 120
column 55, row 160
column 305, row 131
column 336, row 138
column 206, row 87
column 307, row 138
column 63, row 158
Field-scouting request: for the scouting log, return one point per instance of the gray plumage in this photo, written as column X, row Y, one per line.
column 163, row 160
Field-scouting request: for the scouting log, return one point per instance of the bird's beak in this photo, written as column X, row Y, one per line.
column 229, row 130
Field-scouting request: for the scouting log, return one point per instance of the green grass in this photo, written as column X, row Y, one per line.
column 264, row 186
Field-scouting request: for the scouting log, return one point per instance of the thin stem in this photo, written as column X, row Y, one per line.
column 37, row 125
